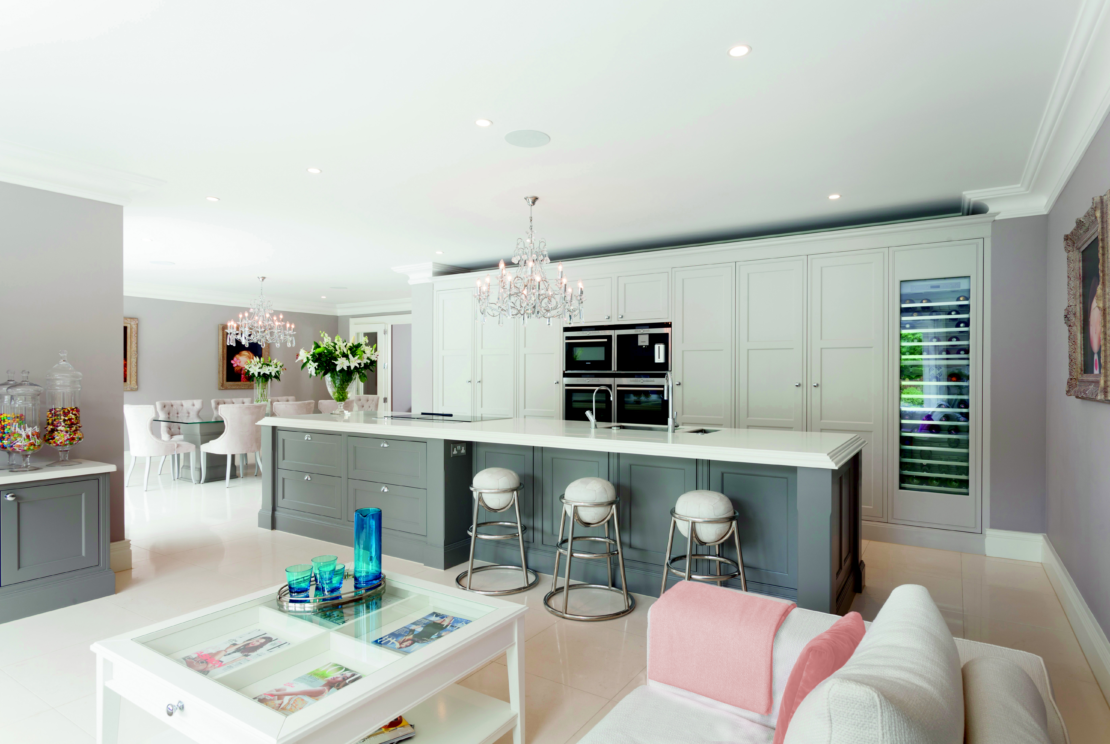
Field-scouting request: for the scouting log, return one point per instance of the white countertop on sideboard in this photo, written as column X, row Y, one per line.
column 47, row 471
column 802, row 449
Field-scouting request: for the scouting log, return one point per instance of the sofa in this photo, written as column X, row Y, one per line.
column 908, row 643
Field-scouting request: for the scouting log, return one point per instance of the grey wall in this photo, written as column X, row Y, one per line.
column 423, row 319
column 178, row 352
column 1078, row 508
column 61, row 279
column 402, row 367
column 1017, row 383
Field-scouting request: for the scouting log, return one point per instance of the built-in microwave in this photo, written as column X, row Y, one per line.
column 643, row 348
column 579, row 396
column 588, row 350
column 641, row 400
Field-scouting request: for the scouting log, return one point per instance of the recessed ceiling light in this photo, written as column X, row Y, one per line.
column 314, row 171
column 212, row 198
column 162, row 263
column 323, row 297
column 484, row 122
column 740, row 51
column 439, row 253
column 834, row 197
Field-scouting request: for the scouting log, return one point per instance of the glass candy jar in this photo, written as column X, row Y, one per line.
column 22, row 412
column 63, row 417
column 9, row 461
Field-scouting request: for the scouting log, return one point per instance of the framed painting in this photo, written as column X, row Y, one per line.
column 232, row 361
column 1087, row 249
column 130, row 354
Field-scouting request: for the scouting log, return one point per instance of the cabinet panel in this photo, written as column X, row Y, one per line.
column 541, row 370
column 847, row 347
column 649, row 488
column 644, row 297
column 309, row 493
column 496, row 378
column 48, row 530
column 702, row 339
column 399, row 462
column 770, row 369
column 403, row 509
column 599, row 299
column 454, row 352
column 560, row 469
column 519, row 460
column 310, row 452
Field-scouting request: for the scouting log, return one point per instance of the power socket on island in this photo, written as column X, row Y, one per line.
column 458, row 449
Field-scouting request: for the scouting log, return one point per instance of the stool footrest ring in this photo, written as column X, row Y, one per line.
column 733, row 565
column 506, row 536
column 562, row 547
column 588, row 618
column 533, row 579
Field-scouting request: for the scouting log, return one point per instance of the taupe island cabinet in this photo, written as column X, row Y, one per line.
column 797, row 492
column 54, row 538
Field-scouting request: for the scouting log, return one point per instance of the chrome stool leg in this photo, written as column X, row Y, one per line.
column 725, row 568
column 531, row 578
column 667, row 557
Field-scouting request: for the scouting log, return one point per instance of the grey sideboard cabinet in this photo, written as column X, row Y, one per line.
column 54, row 538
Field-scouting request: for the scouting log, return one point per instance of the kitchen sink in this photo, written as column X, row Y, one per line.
column 653, row 427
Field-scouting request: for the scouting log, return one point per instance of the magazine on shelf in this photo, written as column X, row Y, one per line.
column 308, row 688
column 219, row 659
column 395, row 731
column 431, row 627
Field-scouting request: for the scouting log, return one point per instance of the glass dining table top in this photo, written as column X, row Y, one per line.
column 189, row 421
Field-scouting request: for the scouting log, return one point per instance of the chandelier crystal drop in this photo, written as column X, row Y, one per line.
column 526, row 291
column 260, row 325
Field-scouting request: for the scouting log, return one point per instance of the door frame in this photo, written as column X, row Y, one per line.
column 383, row 326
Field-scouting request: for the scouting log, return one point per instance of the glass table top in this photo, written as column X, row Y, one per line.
column 290, row 661
column 183, row 421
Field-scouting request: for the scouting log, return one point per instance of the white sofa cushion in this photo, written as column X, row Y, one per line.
column 902, row 686
column 1001, row 704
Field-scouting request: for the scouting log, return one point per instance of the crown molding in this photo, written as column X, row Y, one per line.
column 1077, row 106
column 38, row 169
column 375, row 307
column 231, row 299
column 422, row 273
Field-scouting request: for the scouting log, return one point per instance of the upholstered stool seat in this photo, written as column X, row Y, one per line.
column 496, row 490
column 589, row 502
column 714, row 521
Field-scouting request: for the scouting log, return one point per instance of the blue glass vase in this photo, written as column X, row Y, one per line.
column 368, row 547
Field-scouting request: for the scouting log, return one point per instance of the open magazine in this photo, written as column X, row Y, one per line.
column 221, row 658
column 308, row 688
column 395, row 731
column 431, row 627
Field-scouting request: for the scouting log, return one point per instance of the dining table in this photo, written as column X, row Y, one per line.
column 196, row 433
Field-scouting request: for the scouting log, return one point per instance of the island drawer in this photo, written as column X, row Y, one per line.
column 403, row 509
column 395, row 462
column 310, row 493
column 310, row 452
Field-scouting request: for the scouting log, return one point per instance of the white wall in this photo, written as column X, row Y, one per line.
column 401, row 382
column 423, row 320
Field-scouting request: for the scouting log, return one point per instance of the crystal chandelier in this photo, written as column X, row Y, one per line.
column 526, row 292
column 260, row 325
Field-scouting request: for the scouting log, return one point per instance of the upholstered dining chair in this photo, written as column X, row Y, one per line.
column 143, row 443
column 364, row 402
column 300, row 408
column 241, row 436
column 328, row 406
column 182, row 410
column 218, row 402
column 283, row 398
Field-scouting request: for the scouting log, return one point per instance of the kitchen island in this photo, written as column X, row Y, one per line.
column 797, row 492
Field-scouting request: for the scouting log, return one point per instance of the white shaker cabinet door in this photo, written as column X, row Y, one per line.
column 770, row 337
column 701, row 338
column 847, row 358
column 541, row 369
column 454, row 351
column 643, row 297
column 598, row 307
column 495, row 371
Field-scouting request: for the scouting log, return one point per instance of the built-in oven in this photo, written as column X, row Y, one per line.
column 578, row 397
column 588, row 350
column 640, row 400
column 643, row 348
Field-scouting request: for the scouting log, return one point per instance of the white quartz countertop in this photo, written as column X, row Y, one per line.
column 49, row 471
column 802, row 449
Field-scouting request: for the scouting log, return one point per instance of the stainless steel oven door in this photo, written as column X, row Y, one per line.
column 641, row 403
column 588, row 351
column 578, row 397
column 644, row 350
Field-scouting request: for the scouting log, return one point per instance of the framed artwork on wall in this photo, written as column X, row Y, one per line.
column 130, row 354
column 1088, row 333
column 232, row 361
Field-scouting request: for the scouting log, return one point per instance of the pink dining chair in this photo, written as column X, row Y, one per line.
column 299, row 408
column 143, row 443
column 241, row 436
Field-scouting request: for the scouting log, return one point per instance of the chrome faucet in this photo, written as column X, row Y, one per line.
column 592, row 413
column 668, row 395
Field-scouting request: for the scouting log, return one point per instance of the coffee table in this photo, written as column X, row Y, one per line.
column 147, row 667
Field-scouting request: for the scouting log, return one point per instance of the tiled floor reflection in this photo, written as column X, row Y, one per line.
column 184, row 536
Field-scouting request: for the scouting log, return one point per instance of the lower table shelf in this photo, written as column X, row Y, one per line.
column 458, row 715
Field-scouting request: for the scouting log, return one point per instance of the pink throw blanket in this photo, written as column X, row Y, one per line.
column 715, row 642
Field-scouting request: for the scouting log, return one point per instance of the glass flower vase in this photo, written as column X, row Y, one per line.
column 368, row 547
column 261, row 391
column 339, row 388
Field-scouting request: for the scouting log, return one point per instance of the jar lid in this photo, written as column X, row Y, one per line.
column 62, row 376
column 25, row 387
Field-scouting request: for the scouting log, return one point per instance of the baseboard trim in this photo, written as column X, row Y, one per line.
column 1017, row 546
column 924, row 537
column 1091, row 637
column 119, row 555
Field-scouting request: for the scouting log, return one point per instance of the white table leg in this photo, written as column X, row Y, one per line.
column 107, row 707
column 514, row 658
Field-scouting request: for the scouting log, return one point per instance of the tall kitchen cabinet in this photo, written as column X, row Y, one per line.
column 453, row 343
column 702, row 341
column 540, row 389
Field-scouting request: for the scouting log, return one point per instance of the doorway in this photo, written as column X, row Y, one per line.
column 392, row 381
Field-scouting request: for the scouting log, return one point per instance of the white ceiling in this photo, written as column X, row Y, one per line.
column 657, row 135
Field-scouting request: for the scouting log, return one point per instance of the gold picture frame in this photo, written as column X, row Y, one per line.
column 130, row 354
column 228, row 374
column 1088, row 331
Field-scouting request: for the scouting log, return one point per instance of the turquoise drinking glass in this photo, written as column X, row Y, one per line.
column 368, row 547
column 323, row 567
column 337, row 579
column 299, row 578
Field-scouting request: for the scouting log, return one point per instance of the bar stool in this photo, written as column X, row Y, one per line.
column 496, row 490
column 591, row 502
column 714, row 521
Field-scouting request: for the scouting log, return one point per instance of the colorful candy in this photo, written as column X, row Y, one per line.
column 8, row 420
column 63, row 426
column 24, row 438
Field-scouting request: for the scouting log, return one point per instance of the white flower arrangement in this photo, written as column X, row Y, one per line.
column 343, row 359
column 261, row 368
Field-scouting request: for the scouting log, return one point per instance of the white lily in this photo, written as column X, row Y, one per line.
column 342, row 363
column 302, row 355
